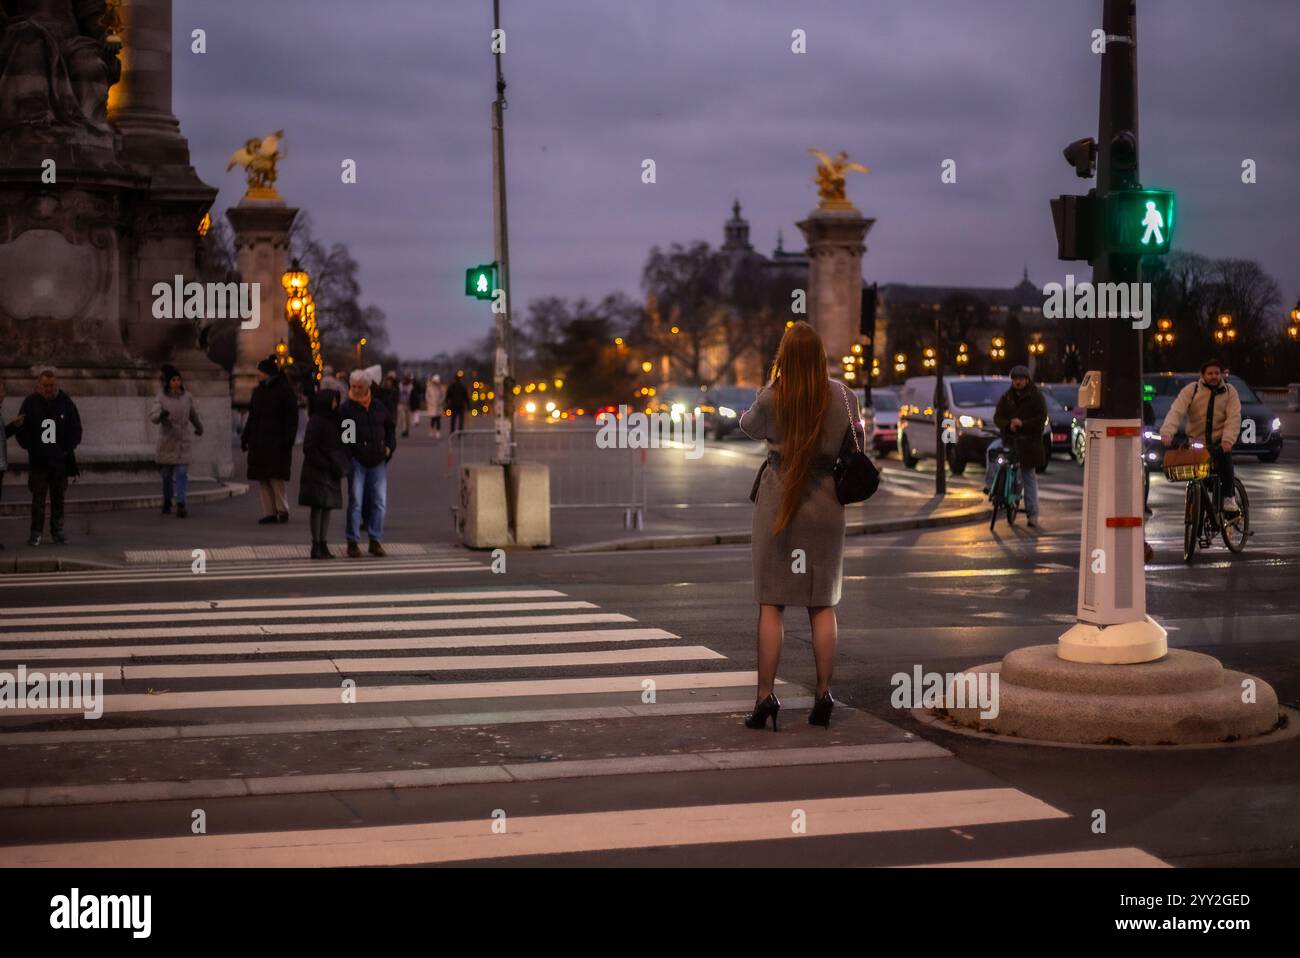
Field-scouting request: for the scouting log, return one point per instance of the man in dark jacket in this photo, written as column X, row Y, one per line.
column 50, row 432
column 370, row 436
column 268, row 438
column 1020, row 417
column 457, row 402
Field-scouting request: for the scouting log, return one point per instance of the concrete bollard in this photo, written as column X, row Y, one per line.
column 530, row 491
column 482, row 520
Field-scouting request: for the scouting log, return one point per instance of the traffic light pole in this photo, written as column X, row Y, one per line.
column 940, row 400
column 503, row 367
column 1113, row 627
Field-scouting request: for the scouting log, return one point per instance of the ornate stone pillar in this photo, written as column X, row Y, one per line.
column 835, row 246
column 141, row 103
column 262, row 245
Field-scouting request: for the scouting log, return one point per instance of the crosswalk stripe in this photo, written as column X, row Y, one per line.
column 466, row 641
column 423, row 663
column 1093, row 858
column 368, row 695
column 273, row 571
column 298, row 628
column 436, row 842
column 355, row 610
column 206, row 605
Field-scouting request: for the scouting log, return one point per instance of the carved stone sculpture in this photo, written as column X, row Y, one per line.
column 56, row 66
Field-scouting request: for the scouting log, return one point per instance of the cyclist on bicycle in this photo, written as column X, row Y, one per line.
column 1020, row 416
column 1213, row 411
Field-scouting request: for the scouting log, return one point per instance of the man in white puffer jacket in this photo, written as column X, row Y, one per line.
column 1213, row 411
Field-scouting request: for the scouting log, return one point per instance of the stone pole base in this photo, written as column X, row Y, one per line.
column 1183, row 698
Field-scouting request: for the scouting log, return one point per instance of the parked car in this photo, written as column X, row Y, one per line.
column 1075, row 441
column 971, row 401
column 722, row 408
column 884, row 431
column 1163, row 388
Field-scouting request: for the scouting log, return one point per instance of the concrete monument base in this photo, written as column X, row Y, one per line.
column 1184, row 698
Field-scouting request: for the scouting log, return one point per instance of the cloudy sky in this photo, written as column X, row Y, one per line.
column 711, row 91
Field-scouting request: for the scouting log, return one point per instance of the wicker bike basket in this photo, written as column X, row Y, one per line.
column 1187, row 465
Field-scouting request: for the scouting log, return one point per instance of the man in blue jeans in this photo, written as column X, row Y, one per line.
column 1020, row 417
column 370, row 435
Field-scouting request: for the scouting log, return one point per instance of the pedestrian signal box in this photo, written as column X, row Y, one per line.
column 1139, row 222
column 480, row 281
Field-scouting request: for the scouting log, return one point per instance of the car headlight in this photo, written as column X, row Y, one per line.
column 970, row 422
column 1276, row 424
column 726, row 412
column 1150, row 435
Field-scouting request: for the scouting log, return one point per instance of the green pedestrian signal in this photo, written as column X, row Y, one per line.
column 1139, row 222
column 480, row 281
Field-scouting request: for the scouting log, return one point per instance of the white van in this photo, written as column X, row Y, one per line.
column 970, row 400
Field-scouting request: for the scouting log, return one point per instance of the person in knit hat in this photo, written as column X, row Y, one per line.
column 178, row 422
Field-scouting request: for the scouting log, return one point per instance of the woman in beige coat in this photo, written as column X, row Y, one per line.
column 798, row 531
column 173, row 411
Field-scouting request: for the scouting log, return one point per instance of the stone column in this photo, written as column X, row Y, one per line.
column 835, row 246
column 262, row 245
column 141, row 103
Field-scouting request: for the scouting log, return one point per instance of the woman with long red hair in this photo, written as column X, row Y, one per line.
column 798, row 533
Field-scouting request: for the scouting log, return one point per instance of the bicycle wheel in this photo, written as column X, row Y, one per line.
column 1236, row 530
column 1191, row 520
column 1014, row 498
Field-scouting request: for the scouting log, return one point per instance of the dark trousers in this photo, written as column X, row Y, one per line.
column 1223, row 466
column 457, row 420
column 47, row 479
column 320, row 523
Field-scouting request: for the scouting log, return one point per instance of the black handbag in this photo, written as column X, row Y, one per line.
column 856, row 476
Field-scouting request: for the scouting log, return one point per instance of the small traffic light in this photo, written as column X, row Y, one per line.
column 1075, row 220
column 867, row 315
column 1139, row 222
column 480, row 281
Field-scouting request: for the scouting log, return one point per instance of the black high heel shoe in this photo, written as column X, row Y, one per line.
column 821, row 712
column 769, row 706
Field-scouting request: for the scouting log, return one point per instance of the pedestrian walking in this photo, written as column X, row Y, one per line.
column 268, row 439
column 324, row 462
column 404, row 392
column 457, row 402
column 50, row 431
column 435, row 398
column 370, row 437
column 798, row 522
column 9, row 429
column 178, row 422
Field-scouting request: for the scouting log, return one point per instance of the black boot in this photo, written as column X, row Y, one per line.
column 315, row 549
column 325, row 551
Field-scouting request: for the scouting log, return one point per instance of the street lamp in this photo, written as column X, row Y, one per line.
column 963, row 354
column 928, row 360
column 1226, row 333
column 1164, row 332
column 360, row 342
column 900, row 363
column 999, row 348
column 1294, row 329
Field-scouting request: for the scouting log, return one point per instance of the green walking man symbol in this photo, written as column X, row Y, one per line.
column 1154, row 223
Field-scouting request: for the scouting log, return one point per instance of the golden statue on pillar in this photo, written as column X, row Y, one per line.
column 830, row 179
column 258, row 158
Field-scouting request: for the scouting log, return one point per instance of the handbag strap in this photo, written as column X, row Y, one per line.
column 849, row 409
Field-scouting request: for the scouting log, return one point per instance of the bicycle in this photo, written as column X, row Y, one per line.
column 1006, row 492
column 1203, row 515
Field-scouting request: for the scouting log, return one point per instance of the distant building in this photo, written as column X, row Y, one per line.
column 904, row 321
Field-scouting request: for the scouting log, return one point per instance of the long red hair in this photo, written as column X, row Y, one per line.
column 801, row 389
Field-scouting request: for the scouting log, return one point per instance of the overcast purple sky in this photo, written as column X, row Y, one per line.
column 712, row 92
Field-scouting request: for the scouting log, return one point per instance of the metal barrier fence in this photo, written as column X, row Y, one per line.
column 582, row 475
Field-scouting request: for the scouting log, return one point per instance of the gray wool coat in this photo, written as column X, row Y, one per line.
column 780, row 576
column 175, row 435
